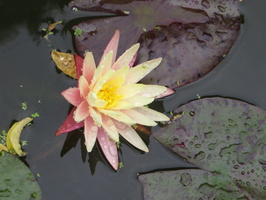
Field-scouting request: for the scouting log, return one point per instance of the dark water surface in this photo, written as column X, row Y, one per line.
column 27, row 74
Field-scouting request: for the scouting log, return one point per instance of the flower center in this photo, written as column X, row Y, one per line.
column 109, row 95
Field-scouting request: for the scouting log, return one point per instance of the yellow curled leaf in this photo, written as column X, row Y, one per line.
column 13, row 135
column 3, row 148
column 65, row 62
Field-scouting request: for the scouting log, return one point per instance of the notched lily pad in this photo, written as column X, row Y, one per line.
column 192, row 184
column 16, row 180
column 224, row 136
column 191, row 36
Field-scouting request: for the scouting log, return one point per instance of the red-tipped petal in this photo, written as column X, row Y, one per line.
column 168, row 92
column 69, row 124
column 108, row 147
column 131, row 64
column 79, row 64
column 142, row 129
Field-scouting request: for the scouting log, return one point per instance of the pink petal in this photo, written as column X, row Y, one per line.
column 72, row 95
column 113, row 45
column 131, row 135
column 81, row 112
column 83, row 87
column 79, row 64
column 88, row 67
column 126, row 58
column 109, row 127
column 168, row 92
column 131, row 64
column 108, row 147
column 69, row 124
column 90, row 133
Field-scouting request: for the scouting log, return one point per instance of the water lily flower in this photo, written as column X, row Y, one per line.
column 109, row 100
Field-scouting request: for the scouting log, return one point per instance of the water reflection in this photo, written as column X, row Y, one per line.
column 30, row 14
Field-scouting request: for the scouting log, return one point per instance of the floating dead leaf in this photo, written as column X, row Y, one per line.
column 50, row 28
column 3, row 148
column 13, row 135
column 53, row 25
column 65, row 62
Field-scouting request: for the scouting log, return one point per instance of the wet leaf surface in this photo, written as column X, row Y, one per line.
column 224, row 136
column 16, row 180
column 191, row 37
column 190, row 184
column 65, row 62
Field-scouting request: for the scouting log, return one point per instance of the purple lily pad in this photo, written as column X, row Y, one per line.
column 191, row 36
column 188, row 184
column 223, row 136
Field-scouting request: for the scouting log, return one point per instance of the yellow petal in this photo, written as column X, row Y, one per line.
column 139, row 118
column 96, row 116
column 101, row 81
column 136, row 73
column 130, row 90
column 131, row 136
column 152, row 114
column 94, row 101
column 110, row 128
column 137, row 101
column 152, row 91
column 126, row 58
column 121, row 73
column 97, row 74
column 118, row 115
column 13, row 136
column 106, row 61
column 122, row 105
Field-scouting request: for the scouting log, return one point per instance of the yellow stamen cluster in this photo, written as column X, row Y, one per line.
column 108, row 94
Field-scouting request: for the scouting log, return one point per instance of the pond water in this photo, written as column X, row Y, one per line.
column 27, row 74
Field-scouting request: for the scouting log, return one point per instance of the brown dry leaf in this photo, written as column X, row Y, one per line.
column 52, row 26
column 65, row 62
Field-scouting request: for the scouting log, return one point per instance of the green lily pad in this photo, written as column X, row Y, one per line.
column 223, row 136
column 16, row 180
column 192, row 184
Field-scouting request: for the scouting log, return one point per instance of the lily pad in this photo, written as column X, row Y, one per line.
column 16, row 180
column 192, row 184
column 191, row 36
column 223, row 136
